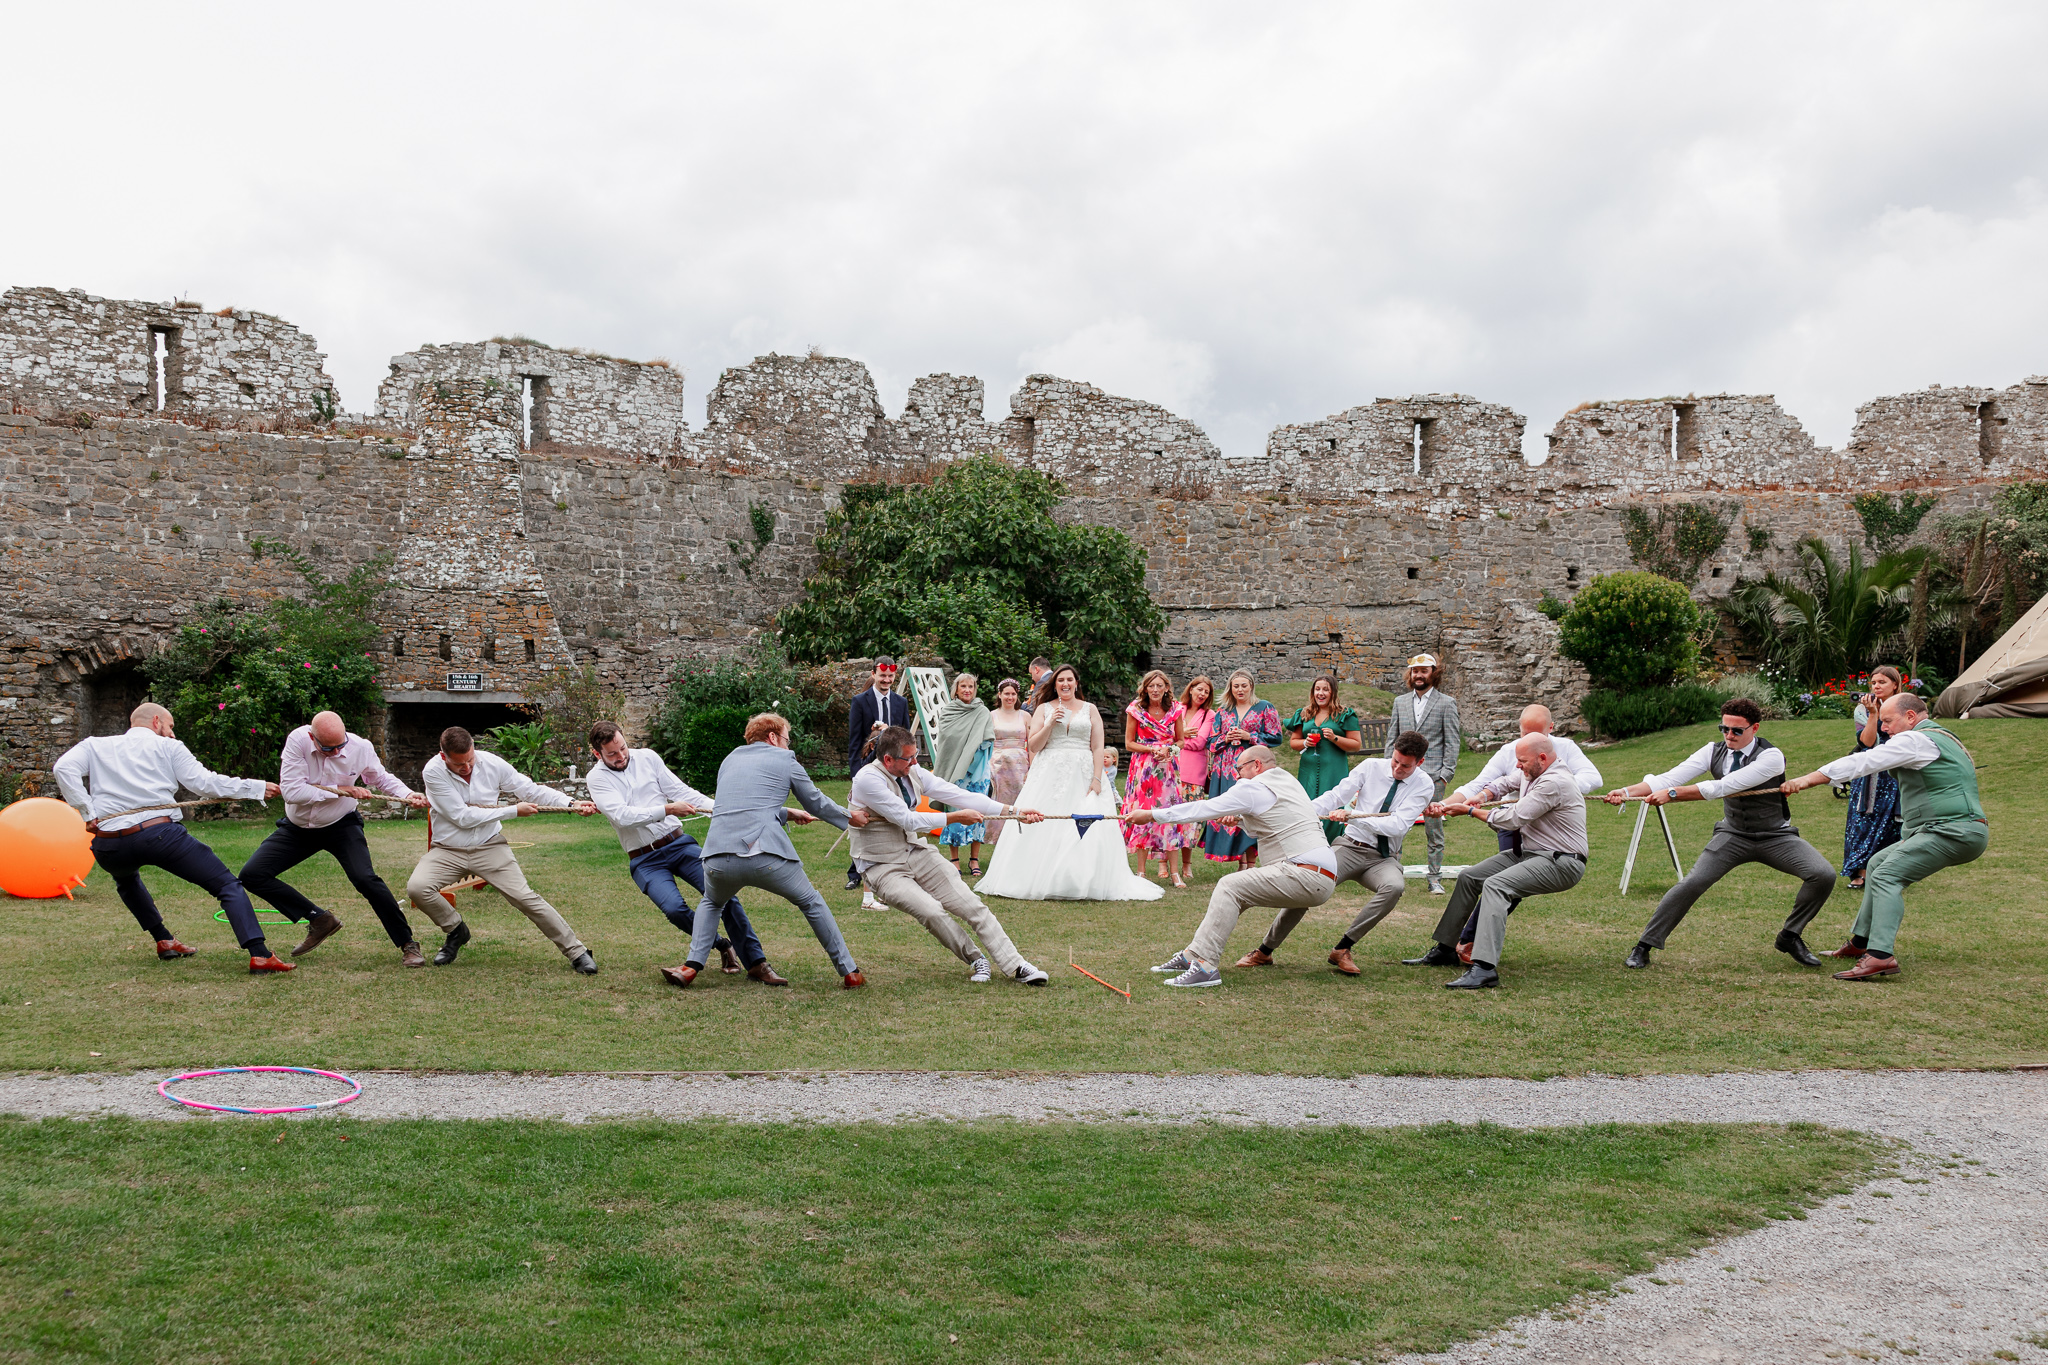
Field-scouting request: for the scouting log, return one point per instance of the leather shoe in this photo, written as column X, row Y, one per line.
column 1257, row 957
column 170, row 950
column 1849, row 950
column 584, row 963
column 1475, row 979
column 1437, row 956
column 728, row 960
column 319, row 929
column 259, row 965
column 412, row 956
column 1465, row 953
column 1871, row 968
column 452, row 944
column 1638, row 957
column 1340, row 958
column 1794, row 947
column 853, row 881
column 766, row 975
column 852, row 981
column 680, row 977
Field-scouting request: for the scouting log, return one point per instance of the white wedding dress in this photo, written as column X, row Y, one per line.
column 1048, row 861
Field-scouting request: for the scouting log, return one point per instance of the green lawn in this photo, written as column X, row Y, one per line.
column 78, row 978
column 424, row 1241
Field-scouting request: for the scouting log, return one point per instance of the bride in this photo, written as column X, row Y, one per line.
column 1050, row 861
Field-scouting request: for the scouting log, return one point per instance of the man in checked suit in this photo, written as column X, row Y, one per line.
column 1427, row 711
column 873, row 709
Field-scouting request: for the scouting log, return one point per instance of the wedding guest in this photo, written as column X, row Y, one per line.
column 1110, row 758
column 1242, row 722
column 1198, row 713
column 1038, row 668
column 1325, row 734
column 1010, row 760
column 874, row 707
column 1874, row 798
column 1152, row 732
column 965, row 739
column 1424, row 708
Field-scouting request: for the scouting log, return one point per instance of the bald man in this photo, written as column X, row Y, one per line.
column 1548, row 821
column 323, row 772
column 126, row 786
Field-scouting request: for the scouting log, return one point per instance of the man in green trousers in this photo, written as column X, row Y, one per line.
column 1945, row 824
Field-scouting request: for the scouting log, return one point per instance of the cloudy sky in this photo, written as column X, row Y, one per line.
column 1250, row 215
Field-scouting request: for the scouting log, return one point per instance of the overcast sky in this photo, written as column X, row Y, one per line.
column 1250, row 215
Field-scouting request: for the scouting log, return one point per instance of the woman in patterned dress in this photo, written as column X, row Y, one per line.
column 1241, row 722
column 1152, row 736
column 1873, row 799
column 1010, row 760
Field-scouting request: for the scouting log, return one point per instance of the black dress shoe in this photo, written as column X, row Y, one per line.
column 1794, row 947
column 1638, row 957
column 1476, row 978
column 583, row 962
column 853, row 881
column 452, row 945
column 1437, row 956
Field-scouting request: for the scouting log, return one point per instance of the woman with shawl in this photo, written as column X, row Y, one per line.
column 965, row 736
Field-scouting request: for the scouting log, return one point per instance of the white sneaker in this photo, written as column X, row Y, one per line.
column 1031, row 976
column 1175, row 965
column 978, row 973
column 1197, row 975
column 1436, row 886
column 868, row 902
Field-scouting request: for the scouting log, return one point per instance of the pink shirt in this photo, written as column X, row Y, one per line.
column 353, row 765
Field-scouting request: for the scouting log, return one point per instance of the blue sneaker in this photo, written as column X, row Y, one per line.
column 1174, row 965
column 1197, row 975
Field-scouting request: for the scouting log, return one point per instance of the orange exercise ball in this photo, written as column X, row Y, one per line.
column 45, row 849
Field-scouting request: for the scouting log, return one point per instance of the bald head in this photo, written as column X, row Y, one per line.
column 1535, row 719
column 1534, row 754
column 328, row 730
column 150, row 716
column 1900, row 713
column 1257, row 753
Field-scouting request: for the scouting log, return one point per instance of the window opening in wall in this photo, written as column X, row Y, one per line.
column 1030, row 436
column 1716, row 573
column 162, row 340
column 526, row 411
column 1987, row 431
column 1417, row 435
column 446, row 651
column 398, row 646
column 1685, row 439
column 1414, row 572
column 529, row 651
column 1333, row 445
column 1336, row 637
column 1425, row 444
column 1674, row 436
column 490, row 649
column 1571, row 573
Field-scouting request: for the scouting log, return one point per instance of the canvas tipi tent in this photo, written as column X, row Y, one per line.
column 2011, row 677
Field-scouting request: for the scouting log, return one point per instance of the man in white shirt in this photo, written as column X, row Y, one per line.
column 1381, row 798
column 634, row 789
column 126, row 787
column 466, row 790
column 907, row 873
column 1297, row 868
column 322, row 773
column 1755, row 827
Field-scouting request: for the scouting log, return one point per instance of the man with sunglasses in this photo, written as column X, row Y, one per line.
column 873, row 710
column 1755, row 827
column 323, row 772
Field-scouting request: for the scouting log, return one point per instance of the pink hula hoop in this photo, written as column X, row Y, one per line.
column 164, row 1088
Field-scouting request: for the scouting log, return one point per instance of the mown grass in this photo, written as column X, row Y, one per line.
column 436, row 1241
column 78, row 978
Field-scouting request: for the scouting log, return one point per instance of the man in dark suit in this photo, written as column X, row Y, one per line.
column 873, row 709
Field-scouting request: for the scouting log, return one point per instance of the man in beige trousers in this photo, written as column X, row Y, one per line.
column 1297, row 870
column 466, row 792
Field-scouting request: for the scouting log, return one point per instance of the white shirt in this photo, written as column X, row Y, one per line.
column 1365, row 788
column 877, row 793
column 635, row 800
column 467, row 814
column 1422, row 706
column 302, row 765
column 139, row 768
column 1909, row 750
column 1767, row 770
column 1569, row 754
column 1248, row 797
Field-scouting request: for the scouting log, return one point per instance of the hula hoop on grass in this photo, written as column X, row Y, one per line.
column 261, row 911
column 164, row 1088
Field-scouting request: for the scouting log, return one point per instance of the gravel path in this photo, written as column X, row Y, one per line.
column 1947, row 1260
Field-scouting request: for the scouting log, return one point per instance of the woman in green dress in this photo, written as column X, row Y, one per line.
column 1325, row 734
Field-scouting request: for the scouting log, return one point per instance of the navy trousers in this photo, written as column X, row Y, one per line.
column 171, row 847
column 656, row 874
column 289, row 845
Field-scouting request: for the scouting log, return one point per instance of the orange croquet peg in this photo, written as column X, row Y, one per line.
column 45, row 849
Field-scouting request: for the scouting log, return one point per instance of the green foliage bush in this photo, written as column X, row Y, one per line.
column 706, row 694
column 709, row 733
column 239, row 679
column 1642, row 710
column 1836, row 617
column 1633, row 630
column 526, row 747
column 1679, row 539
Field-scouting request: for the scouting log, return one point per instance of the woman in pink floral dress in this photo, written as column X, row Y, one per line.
column 1010, row 761
column 1152, row 735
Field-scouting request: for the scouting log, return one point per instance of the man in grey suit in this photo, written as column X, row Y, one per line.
column 747, row 844
column 1426, row 710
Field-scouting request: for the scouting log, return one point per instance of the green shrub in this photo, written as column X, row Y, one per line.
column 1633, row 630
column 709, row 733
column 761, row 679
column 526, row 747
column 1640, row 711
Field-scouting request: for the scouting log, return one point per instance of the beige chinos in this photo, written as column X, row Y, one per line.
column 495, row 864
column 928, row 888
column 1286, row 885
column 1359, row 863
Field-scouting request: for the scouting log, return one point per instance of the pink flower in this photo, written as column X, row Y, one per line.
column 202, row 630
column 238, row 686
column 305, row 665
column 221, row 707
column 252, row 729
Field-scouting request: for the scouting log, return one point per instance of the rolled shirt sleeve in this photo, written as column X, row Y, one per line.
column 939, row 789
column 1768, row 769
column 451, row 803
column 1246, row 798
column 1908, row 750
column 876, row 791
column 1497, row 767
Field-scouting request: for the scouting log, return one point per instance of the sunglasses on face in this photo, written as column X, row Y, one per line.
column 1734, row 729
column 331, row 748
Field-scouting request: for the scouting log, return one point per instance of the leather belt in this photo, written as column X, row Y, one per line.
column 1311, row 867
column 133, row 829
column 663, row 842
column 1553, row 854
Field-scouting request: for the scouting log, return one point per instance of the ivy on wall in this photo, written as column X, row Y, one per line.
column 1679, row 539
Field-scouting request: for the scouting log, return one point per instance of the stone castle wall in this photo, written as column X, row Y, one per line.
column 577, row 399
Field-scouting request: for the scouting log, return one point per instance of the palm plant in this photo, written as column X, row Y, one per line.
column 1835, row 618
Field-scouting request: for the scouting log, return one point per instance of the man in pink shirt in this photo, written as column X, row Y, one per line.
column 322, row 773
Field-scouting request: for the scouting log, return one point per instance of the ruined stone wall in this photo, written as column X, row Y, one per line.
column 578, row 400
column 78, row 350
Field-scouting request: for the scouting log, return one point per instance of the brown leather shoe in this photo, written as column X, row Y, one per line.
column 1340, row 958
column 766, row 975
column 170, row 950
column 412, row 957
column 273, row 963
column 319, row 929
column 1871, row 968
column 1465, row 953
column 1257, row 957
column 679, row 976
column 728, row 960
column 852, row 981
column 1848, row 950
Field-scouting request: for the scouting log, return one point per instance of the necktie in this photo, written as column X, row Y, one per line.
column 1385, row 806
